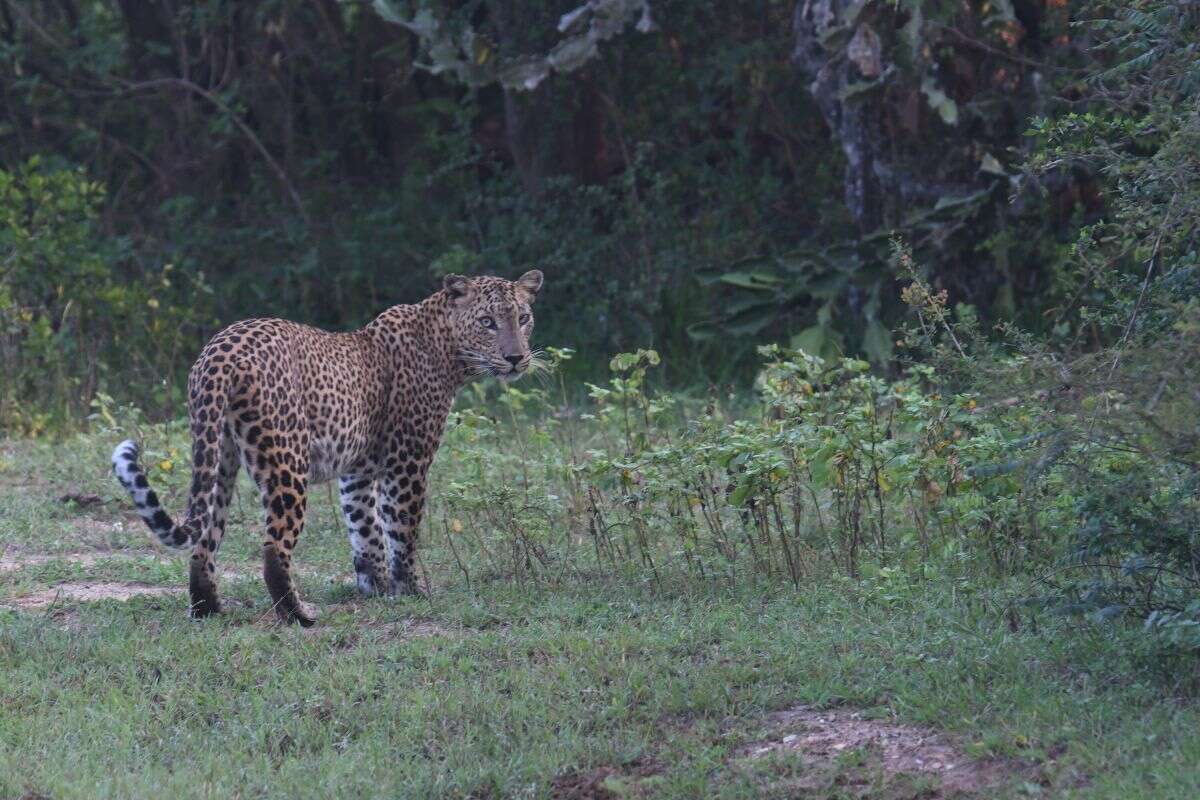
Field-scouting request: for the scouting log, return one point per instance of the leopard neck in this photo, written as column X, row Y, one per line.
column 426, row 327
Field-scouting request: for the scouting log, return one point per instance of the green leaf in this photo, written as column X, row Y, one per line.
column 825, row 339
column 950, row 202
column 991, row 165
column 836, row 37
column 571, row 54
column 713, row 273
column 859, row 88
column 877, row 342
column 751, row 321
column 939, row 101
column 828, row 287
column 811, row 340
column 1002, row 11
column 819, row 466
column 911, row 32
column 745, row 302
column 852, row 11
column 703, row 331
column 758, row 281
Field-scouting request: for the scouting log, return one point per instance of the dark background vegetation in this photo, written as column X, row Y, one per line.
column 297, row 160
column 1001, row 193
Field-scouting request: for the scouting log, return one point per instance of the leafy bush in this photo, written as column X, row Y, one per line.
column 1129, row 402
column 834, row 470
column 68, row 315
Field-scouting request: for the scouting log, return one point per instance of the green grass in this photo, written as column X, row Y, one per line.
column 508, row 687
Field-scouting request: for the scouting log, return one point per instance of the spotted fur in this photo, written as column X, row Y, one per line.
column 296, row 406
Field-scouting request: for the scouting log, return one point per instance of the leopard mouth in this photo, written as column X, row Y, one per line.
column 510, row 375
column 480, row 365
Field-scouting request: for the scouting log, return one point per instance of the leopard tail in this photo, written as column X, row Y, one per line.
column 206, row 433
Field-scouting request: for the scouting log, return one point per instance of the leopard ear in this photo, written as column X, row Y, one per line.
column 530, row 283
column 457, row 288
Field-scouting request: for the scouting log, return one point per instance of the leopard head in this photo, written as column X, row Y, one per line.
column 491, row 320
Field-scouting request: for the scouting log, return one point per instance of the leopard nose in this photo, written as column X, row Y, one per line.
column 514, row 360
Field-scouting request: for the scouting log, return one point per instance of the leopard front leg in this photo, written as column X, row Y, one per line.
column 366, row 534
column 400, row 503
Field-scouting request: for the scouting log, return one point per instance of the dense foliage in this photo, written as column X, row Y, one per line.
column 321, row 160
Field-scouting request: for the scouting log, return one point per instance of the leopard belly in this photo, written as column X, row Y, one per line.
column 323, row 465
column 329, row 459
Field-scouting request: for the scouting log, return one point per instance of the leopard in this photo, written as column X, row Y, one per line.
column 297, row 406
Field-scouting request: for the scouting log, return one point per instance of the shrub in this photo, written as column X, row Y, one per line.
column 68, row 314
column 835, row 469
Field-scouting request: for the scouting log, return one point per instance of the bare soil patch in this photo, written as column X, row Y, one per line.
column 89, row 592
column 403, row 629
column 415, row 628
column 597, row 784
column 12, row 560
column 822, row 737
column 606, row 783
column 825, row 753
column 100, row 534
column 81, row 499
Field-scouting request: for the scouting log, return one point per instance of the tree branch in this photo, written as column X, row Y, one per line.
column 239, row 122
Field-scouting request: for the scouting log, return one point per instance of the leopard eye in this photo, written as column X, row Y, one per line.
column 488, row 323
column 523, row 319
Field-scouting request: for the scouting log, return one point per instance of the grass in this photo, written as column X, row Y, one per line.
column 588, row 686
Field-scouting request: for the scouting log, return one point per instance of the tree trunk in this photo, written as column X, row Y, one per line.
column 889, row 86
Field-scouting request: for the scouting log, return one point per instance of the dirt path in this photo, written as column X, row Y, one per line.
column 821, row 737
column 819, row 753
column 89, row 592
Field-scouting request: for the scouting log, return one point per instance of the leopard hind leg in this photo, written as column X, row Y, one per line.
column 202, row 585
column 275, row 450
